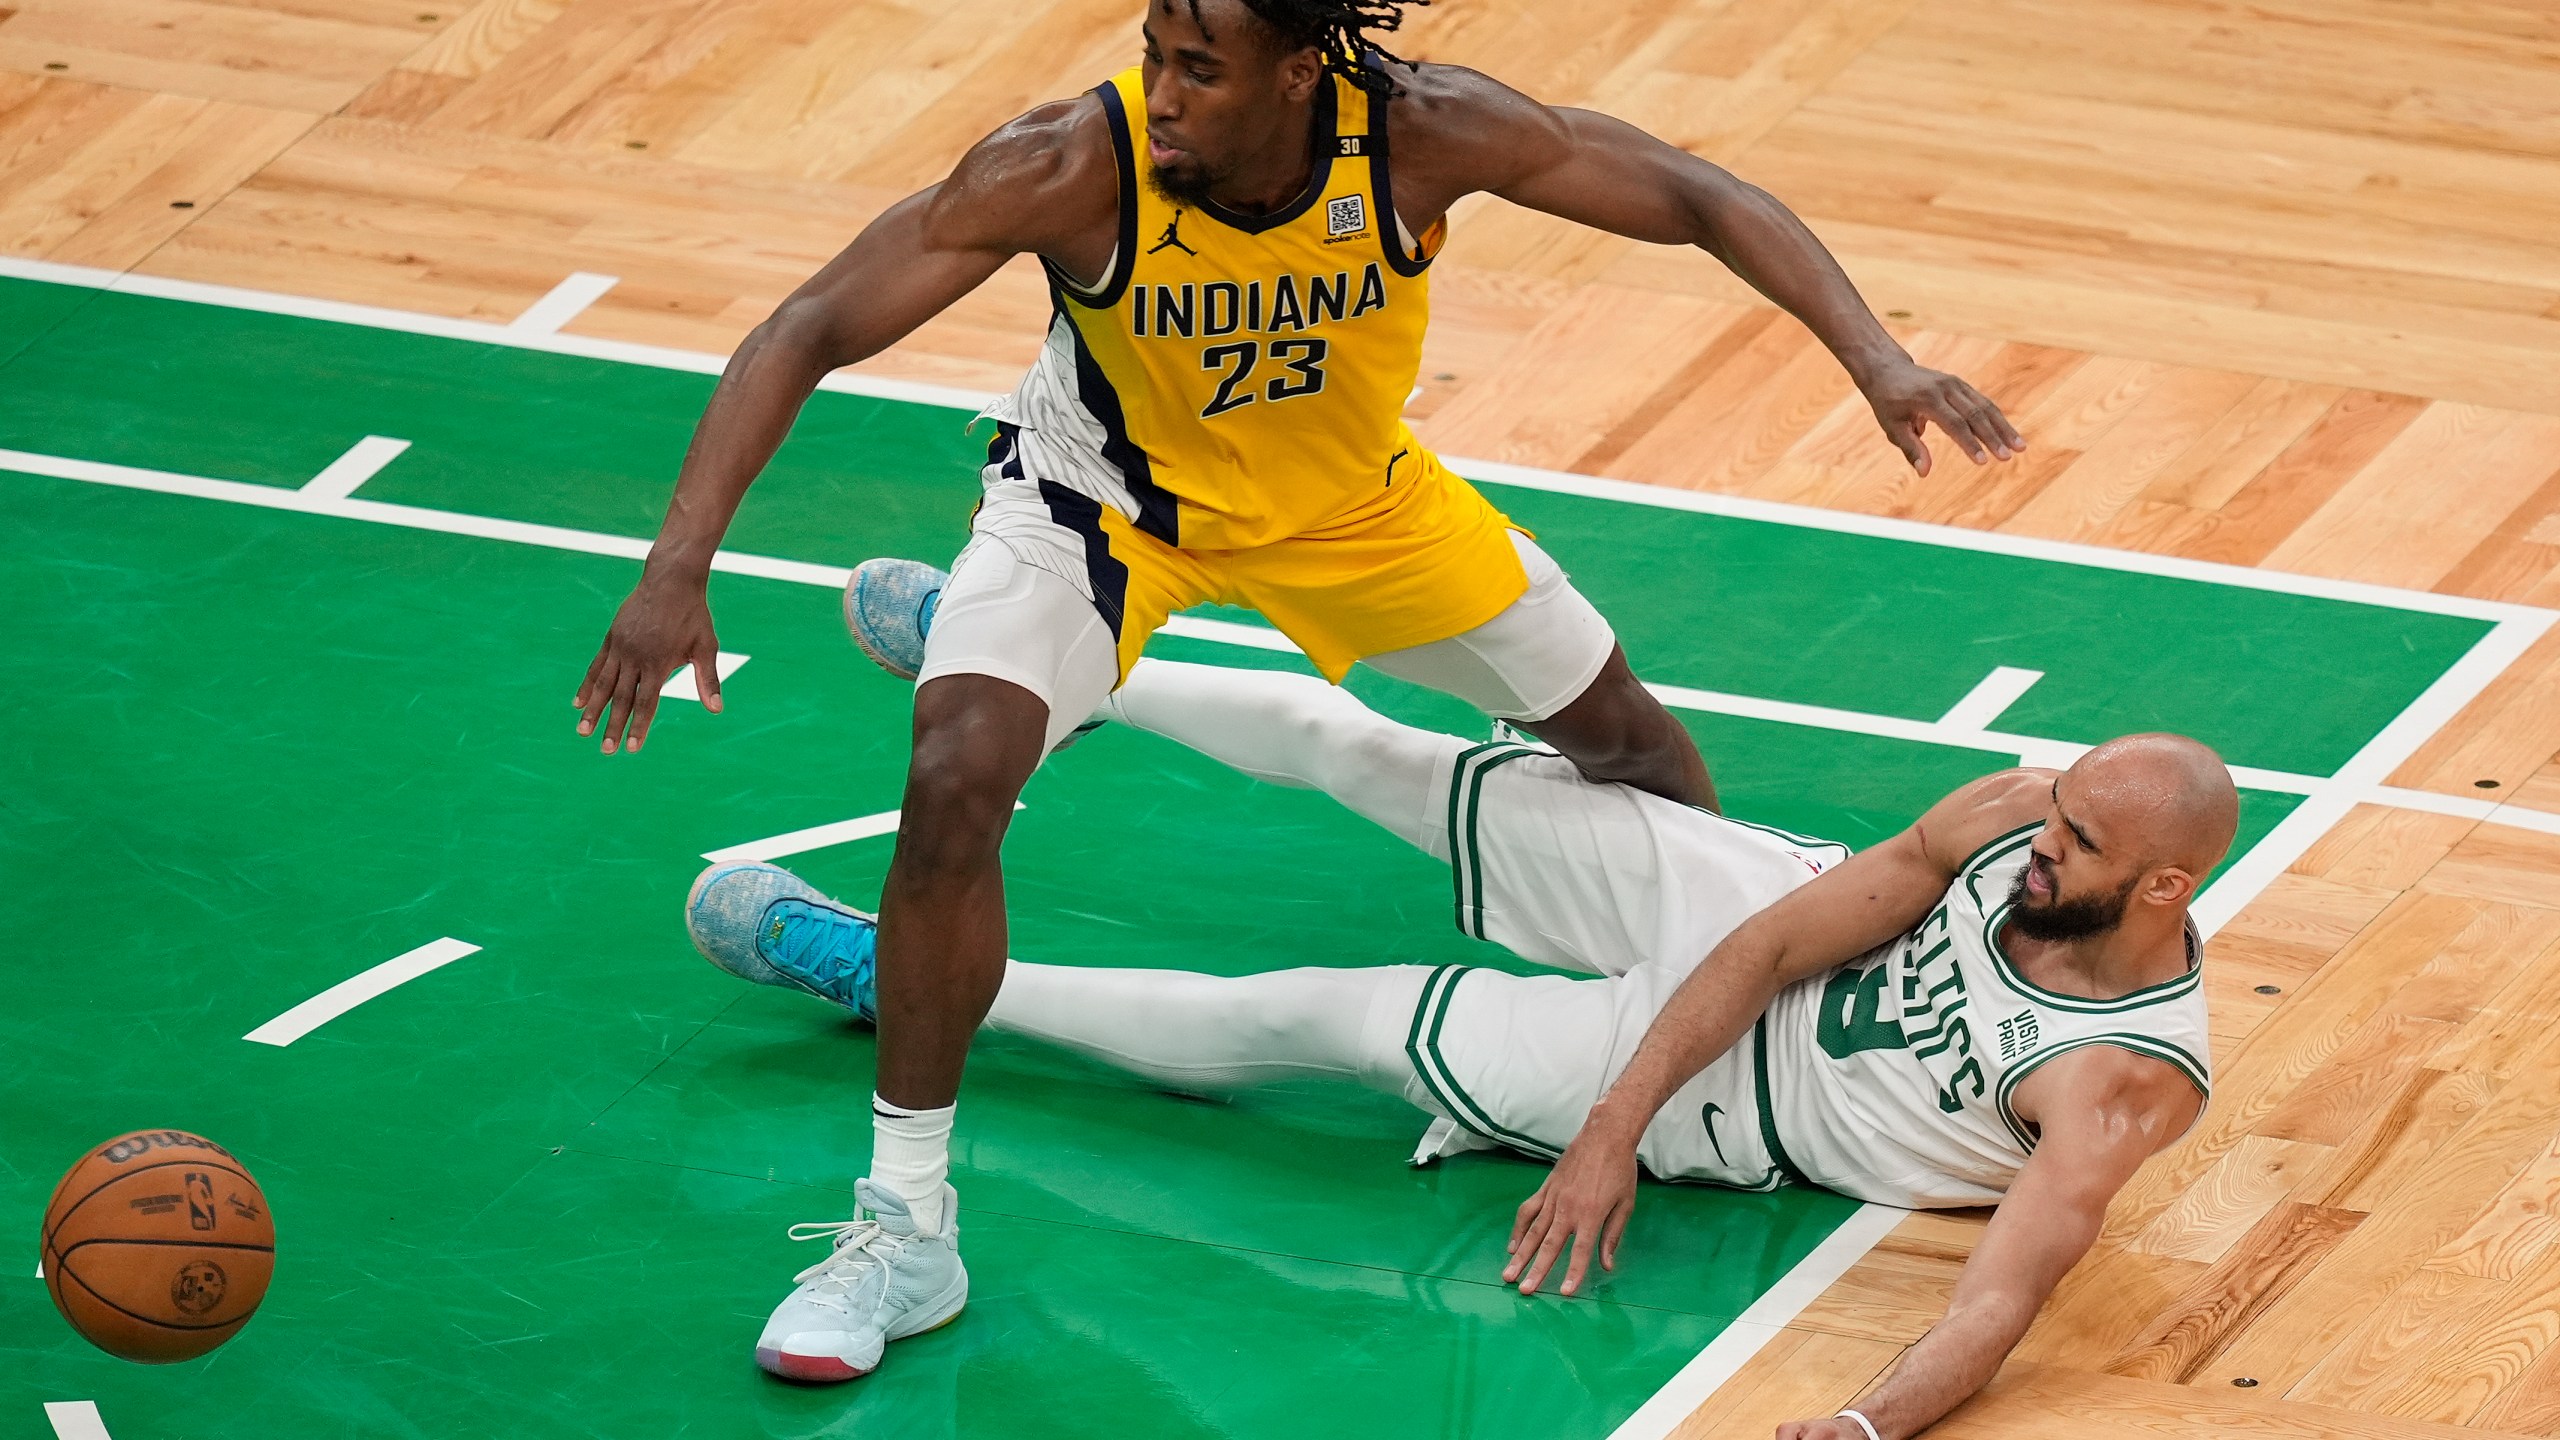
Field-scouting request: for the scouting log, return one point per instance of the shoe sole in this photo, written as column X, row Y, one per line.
column 862, row 641
column 828, row 1369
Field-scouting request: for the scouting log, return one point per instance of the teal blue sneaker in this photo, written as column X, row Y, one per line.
column 889, row 605
column 762, row 923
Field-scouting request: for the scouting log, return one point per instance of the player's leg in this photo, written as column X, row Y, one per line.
column 1017, row 655
column 1616, row 730
column 1298, row 731
column 1209, row 1034
column 1551, row 665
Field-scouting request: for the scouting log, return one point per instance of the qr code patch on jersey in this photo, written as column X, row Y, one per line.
column 1345, row 216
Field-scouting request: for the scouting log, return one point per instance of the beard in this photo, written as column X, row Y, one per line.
column 1188, row 187
column 2057, row 920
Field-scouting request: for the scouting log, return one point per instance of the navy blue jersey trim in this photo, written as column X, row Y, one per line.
column 1159, row 514
column 1124, row 256
column 1382, row 197
column 1077, row 511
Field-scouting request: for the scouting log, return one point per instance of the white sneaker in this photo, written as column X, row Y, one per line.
column 884, row 1282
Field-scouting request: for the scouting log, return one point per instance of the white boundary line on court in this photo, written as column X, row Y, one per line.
column 952, row 397
column 1759, row 1324
column 1961, row 727
column 815, row 837
column 345, row 475
column 567, row 301
column 686, row 683
column 2515, row 629
column 353, row 991
column 76, row 1420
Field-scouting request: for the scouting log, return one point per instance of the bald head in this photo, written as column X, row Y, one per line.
column 2162, row 799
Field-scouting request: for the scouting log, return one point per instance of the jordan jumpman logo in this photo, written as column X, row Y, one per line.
column 1173, row 237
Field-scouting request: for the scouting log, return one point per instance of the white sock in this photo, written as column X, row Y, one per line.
column 910, row 1156
column 1296, row 730
column 1203, row 1034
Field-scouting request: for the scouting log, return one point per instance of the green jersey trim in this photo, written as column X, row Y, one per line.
column 1422, row 1047
column 2081, row 1004
column 1768, row 1113
column 2144, row 1045
column 1466, row 802
column 1804, row 842
column 1997, row 914
column 1982, row 853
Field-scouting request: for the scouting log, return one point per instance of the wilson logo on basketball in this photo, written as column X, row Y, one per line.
column 198, row 1287
column 134, row 1147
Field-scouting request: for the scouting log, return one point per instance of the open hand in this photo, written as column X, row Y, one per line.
column 662, row 627
column 1585, row 1203
column 1909, row 397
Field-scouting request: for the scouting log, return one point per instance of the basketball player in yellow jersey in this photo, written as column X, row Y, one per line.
column 1237, row 234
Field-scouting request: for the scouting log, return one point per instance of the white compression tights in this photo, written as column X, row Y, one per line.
column 1298, row 731
column 1206, row 1033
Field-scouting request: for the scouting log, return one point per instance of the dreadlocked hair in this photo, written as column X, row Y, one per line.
column 1337, row 30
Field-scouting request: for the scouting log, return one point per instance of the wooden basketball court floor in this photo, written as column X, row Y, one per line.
column 2266, row 285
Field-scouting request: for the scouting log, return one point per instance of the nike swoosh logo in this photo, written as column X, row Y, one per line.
column 1709, row 1115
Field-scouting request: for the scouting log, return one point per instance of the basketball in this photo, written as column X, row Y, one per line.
column 158, row 1246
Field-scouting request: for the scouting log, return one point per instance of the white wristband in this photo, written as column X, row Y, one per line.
column 1863, row 1423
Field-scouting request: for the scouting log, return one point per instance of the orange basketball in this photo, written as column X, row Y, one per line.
column 158, row 1246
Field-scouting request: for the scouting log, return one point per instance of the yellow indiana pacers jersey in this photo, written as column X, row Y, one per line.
column 1249, row 372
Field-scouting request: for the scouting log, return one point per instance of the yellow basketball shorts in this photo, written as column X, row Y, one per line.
column 1057, row 593
column 1436, row 561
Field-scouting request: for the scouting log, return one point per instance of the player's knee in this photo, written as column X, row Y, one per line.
column 954, row 818
column 1618, row 731
column 1635, row 751
column 959, row 799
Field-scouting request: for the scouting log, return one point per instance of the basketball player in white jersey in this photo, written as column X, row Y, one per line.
column 2001, row 1005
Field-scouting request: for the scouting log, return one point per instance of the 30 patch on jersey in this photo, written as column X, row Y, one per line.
column 1345, row 215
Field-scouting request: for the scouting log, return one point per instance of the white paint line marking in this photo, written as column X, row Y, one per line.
column 1987, row 701
column 376, row 512
column 363, row 460
column 347, row 994
column 681, row 685
column 76, row 1420
column 816, row 837
column 477, row 332
column 1229, row 632
column 1987, row 542
column 1847, row 522
column 2491, row 812
column 2361, row 779
column 1755, row 1327
column 566, row 302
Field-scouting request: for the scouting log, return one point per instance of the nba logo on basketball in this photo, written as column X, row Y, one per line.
column 199, row 1200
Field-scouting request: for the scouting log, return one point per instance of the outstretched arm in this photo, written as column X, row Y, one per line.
column 2103, row 1112
column 1835, row 917
column 1045, row 183
column 1477, row 134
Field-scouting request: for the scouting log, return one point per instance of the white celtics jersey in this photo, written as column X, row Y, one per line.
column 1890, row 1078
